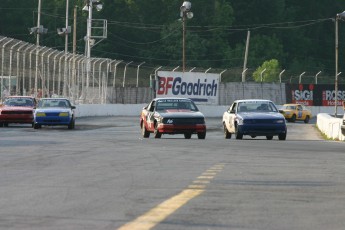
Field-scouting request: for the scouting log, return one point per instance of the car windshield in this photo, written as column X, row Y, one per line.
column 292, row 107
column 178, row 104
column 19, row 101
column 256, row 106
column 53, row 103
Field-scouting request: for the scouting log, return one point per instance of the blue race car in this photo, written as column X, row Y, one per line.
column 254, row 117
column 54, row 111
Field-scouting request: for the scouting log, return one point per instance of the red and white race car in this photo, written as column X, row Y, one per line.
column 172, row 116
column 17, row 109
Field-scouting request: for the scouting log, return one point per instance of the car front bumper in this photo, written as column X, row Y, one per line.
column 178, row 129
column 52, row 120
column 262, row 129
column 16, row 118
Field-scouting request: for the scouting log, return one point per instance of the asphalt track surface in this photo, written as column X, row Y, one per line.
column 104, row 175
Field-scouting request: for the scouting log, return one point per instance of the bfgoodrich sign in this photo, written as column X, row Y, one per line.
column 200, row 87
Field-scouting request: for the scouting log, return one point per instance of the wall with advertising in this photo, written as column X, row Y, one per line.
column 200, row 87
column 314, row 95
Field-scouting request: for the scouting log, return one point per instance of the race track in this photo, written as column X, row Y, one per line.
column 104, row 175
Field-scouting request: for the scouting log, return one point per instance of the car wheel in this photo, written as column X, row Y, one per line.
column 187, row 135
column 144, row 131
column 71, row 124
column 282, row 136
column 306, row 119
column 293, row 118
column 238, row 134
column 202, row 135
column 253, row 136
column 227, row 134
column 156, row 132
column 37, row 126
column 269, row 137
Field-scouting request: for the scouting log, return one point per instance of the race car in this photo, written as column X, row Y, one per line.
column 17, row 109
column 54, row 111
column 254, row 117
column 172, row 116
column 293, row 112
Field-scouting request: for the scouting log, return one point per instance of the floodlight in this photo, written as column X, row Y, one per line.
column 186, row 6
column 99, row 7
column 190, row 15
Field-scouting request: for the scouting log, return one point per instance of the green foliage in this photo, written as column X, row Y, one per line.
column 150, row 31
column 270, row 71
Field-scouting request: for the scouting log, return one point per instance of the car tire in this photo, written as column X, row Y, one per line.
column 144, row 132
column 293, row 118
column 187, row 135
column 269, row 137
column 306, row 120
column 238, row 134
column 202, row 135
column 227, row 134
column 156, row 132
column 37, row 126
column 71, row 124
column 282, row 136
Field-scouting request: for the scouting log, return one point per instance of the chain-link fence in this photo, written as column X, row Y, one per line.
column 27, row 69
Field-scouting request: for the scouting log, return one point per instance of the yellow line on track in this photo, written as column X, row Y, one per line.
column 157, row 214
column 162, row 211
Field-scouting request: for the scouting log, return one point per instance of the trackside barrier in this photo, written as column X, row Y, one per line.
column 330, row 126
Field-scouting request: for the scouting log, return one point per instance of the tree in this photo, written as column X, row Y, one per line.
column 271, row 73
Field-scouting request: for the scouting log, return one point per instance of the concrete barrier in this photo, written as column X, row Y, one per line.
column 330, row 126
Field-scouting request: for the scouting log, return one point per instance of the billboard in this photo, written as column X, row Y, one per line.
column 314, row 95
column 200, row 87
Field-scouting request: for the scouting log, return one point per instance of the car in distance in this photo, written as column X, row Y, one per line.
column 254, row 117
column 293, row 112
column 172, row 116
column 17, row 109
column 54, row 111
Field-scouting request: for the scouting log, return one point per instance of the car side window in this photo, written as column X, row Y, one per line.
column 152, row 106
column 233, row 108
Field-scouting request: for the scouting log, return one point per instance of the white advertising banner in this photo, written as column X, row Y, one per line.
column 200, row 87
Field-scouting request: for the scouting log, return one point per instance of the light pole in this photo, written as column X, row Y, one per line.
column 184, row 14
column 90, row 42
column 340, row 16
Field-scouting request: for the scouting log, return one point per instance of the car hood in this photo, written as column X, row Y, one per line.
column 258, row 115
column 53, row 110
column 15, row 108
column 180, row 114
